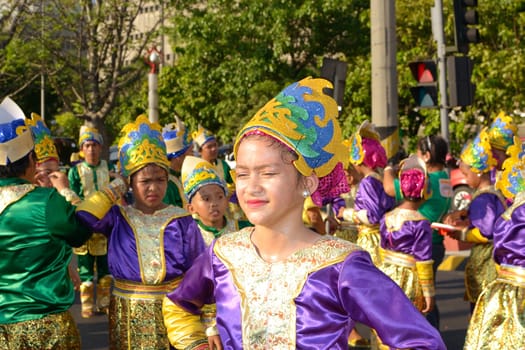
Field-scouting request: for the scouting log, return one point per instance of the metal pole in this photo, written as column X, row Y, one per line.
column 153, row 97
column 384, row 73
column 439, row 37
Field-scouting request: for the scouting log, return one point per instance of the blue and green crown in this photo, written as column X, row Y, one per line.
column 478, row 154
column 141, row 143
column 196, row 173
column 501, row 131
column 45, row 148
column 177, row 138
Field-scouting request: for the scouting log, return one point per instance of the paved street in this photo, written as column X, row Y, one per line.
column 454, row 314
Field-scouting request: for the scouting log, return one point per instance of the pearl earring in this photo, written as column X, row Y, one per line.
column 306, row 193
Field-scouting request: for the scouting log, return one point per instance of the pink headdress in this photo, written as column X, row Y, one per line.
column 413, row 178
column 365, row 147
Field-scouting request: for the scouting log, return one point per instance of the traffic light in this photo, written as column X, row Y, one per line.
column 335, row 71
column 425, row 92
column 464, row 16
column 460, row 89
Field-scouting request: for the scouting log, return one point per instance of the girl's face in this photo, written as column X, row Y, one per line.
column 268, row 186
column 210, row 204
column 149, row 186
column 43, row 170
column 473, row 179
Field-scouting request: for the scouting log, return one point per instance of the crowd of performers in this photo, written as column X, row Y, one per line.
column 183, row 253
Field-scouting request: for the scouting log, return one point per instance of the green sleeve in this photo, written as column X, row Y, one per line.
column 227, row 176
column 74, row 181
column 65, row 226
column 397, row 187
column 172, row 195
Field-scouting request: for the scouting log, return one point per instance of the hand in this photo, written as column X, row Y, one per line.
column 457, row 218
column 214, row 342
column 429, row 305
column 59, row 180
column 333, row 224
column 42, row 179
column 75, row 277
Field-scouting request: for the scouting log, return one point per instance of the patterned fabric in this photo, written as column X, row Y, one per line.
column 141, row 143
column 501, row 131
column 512, row 179
column 197, row 172
column 477, row 154
column 56, row 331
column 480, row 270
column 16, row 140
column 498, row 321
column 44, row 146
column 89, row 134
column 369, row 239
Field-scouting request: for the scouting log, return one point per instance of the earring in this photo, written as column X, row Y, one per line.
column 306, row 193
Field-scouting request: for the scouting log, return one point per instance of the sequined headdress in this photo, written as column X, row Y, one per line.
column 45, row 148
column 304, row 118
column 501, row 131
column 364, row 147
column 201, row 136
column 89, row 134
column 196, row 173
column 477, row 154
column 16, row 140
column 141, row 143
column 177, row 138
column 512, row 179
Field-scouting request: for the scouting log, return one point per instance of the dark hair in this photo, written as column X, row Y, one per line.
column 16, row 168
column 436, row 146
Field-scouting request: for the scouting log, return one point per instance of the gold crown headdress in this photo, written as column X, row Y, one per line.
column 89, row 134
column 141, row 143
column 512, row 178
column 201, row 136
column 477, row 154
column 45, row 148
column 197, row 172
column 501, row 131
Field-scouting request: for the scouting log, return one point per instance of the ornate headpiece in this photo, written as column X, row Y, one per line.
column 477, row 154
column 16, row 140
column 501, row 131
column 45, row 148
column 201, row 136
column 141, row 143
column 364, row 147
column 196, row 173
column 304, row 118
column 413, row 178
column 177, row 138
column 89, row 134
column 512, row 178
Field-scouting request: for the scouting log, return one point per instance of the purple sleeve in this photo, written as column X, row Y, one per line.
column 422, row 249
column 371, row 197
column 372, row 298
column 483, row 212
column 509, row 239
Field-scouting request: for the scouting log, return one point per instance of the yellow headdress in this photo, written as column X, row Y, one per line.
column 45, row 148
column 512, row 179
column 16, row 140
column 196, row 173
column 304, row 118
column 501, row 131
column 364, row 147
column 477, row 154
column 141, row 143
column 89, row 134
column 201, row 136
column 177, row 138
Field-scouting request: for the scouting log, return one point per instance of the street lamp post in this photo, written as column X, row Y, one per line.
column 153, row 60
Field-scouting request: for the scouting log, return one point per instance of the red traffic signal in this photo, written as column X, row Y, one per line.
column 425, row 73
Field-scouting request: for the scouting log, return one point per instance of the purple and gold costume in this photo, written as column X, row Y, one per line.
column 485, row 208
column 253, row 312
column 406, row 240
column 371, row 197
column 147, row 256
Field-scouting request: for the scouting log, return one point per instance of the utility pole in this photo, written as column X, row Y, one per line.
column 153, row 59
column 439, row 37
column 384, row 73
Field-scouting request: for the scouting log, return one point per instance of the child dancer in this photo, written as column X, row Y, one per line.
column 207, row 196
column 150, row 244
column 497, row 320
column 280, row 285
column 371, row 202
column 477, row 223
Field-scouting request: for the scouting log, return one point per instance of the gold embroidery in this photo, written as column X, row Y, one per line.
column 395, row 219
column 267, row 289
column 149, row 239
column 12, row 194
